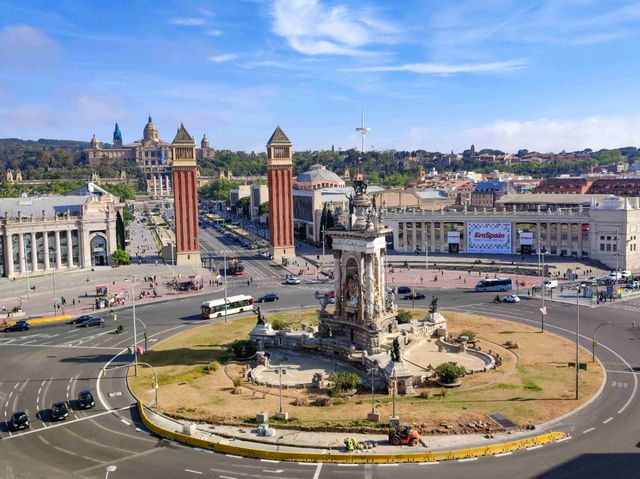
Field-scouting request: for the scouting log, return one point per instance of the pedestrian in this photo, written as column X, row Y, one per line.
column 74, row 301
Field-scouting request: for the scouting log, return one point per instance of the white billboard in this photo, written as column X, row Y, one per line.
column 526, row 238
column 489, row 238
column 453, row 237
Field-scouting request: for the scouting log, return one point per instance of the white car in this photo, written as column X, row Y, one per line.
column 512, row 298
column 293, row 280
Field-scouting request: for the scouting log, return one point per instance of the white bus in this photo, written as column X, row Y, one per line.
column 235, row 304
column 497, row 284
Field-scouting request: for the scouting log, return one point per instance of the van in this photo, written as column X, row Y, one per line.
column 626, row 274
column 614, row 276
column 550, row 284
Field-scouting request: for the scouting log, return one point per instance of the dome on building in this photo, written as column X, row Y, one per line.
column 318, row 177
column 150, row 131
column 613, row 202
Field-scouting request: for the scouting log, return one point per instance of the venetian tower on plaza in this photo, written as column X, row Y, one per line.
column 185, row 195
column 364, row 312
column 280, row 182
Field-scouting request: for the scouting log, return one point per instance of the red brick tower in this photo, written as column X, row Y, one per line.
column 185, row 196
column 279, row 179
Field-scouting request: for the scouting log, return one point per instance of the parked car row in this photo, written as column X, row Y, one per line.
column 59, row 411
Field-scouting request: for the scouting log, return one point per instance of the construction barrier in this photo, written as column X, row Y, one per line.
column 349, row 458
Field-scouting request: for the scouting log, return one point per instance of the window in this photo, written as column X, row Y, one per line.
column 608, row 247
column 608, row 238
column 615, row 247
column 601, row 246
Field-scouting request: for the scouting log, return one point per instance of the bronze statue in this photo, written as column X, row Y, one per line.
column 433, row 308
column 395, row 351
column 261, row 319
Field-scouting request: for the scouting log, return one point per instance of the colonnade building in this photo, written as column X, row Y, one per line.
column 41, row 234
column 606, row 229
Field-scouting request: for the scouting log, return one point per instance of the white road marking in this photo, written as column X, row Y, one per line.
column 193, row 472
column 532, row 448
column 387, row 465
column 428, row 463
column 235, row 457
column 277, row 471
column 316, row 474
column 588, row 430
column 227, row 477
column 468, row 459
column 502, row 454
column 61, row 449
column 29, row 342
column 269, row 460
column 347, row 465
column 564, row 439
column 607, row 420
column 125, row 422
column 65, row 346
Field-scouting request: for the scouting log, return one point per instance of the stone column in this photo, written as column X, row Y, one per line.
column 396, row 237
column 155, row 185
column 84, row 244
column 34, row 252
column 369, row 284
column 514, row 238
column 58, row 251
column 69, row 250
column 432, row 242
column 47, row 254
column 443, row 248
column 168, row 184
column 559, row 238
column 579, row 240
column 547, row 239
column 8, row 248
column 21, row 257
column 414, row 238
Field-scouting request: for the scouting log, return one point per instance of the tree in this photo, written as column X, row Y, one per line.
column 403, row 317
column 243, row 205
column 120, row 256
column 263, row 209
column 243, row 348
column 123, row 191
column 344, row 382
column 449, row 373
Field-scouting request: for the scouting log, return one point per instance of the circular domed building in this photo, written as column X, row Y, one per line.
column 318, row 177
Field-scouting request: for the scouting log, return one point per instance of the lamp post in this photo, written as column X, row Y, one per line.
column 323, row 237
column 372, row 372
column 109, row 469
column 413, row 294
column 393, row 397
column 156, row 385
column 577, row 341
column 543, row 309
column 593, row 339
column 224, row 257
column 135, row 331
column 426, row 259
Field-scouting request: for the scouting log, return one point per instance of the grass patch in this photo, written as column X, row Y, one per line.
column 505, row 386
column 531, row 386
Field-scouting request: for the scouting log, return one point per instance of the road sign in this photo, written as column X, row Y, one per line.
column 543, row 311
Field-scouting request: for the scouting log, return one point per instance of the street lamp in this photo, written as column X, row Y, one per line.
column 26, row 267
column 426, row 259
column 413, row 294
column 372, row 372
column 156, row 385
column 593, row 339
column 109, row 469
column 132, row 280
column 55, row 296
column 543, row 310
column 577, row 341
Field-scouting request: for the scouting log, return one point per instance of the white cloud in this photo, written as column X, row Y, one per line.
column 267, row 64
column 214, row 33
column 187, row 21
column 554, row 135
column 25, row 46
column 316, row 29
column 446, row 69
column 226, row 57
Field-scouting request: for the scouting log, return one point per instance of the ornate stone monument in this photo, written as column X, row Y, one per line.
column 363, row 314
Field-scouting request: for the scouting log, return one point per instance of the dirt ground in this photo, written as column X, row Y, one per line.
column 533, row 385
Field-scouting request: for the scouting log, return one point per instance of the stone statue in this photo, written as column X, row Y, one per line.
column 395, row 350
column 433, row 308
column 261, row 319
column 390, row 299
column 352, row 290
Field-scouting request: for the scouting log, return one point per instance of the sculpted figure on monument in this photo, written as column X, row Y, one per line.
column 433, row 308
column 395, row 351
column 352, row 289
column 261, row 319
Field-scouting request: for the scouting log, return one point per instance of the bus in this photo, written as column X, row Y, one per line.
column 235, row 304
column 497, row 284
column 236, row 267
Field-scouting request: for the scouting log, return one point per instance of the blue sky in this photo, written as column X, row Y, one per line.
column 438, row 75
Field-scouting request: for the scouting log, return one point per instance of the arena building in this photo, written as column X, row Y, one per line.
column 41, row 234
column 603, row 228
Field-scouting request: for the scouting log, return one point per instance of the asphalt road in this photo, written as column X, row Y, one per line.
column 53, row 363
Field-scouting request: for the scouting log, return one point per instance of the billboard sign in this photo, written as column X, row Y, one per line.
column 526, row 238
column 489, row 238
column 453, row 237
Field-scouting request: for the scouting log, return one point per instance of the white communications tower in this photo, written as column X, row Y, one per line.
column 362, row 130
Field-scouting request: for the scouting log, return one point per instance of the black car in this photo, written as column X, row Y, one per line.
column 80, row 319
column 59, row 411
column 93, row 321
column 85, row 400
column 268, row 298
column 19, row 420
column 404, row 289
column 21, row 325
column 414, row 296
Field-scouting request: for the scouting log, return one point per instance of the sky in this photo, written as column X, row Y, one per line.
column 545, row 75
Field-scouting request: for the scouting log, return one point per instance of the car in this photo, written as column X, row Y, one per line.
column 85, row 400
column 614, row 276
column 21, row 325
column 268, row 298
column 80, row 319
column 266, row 430
column 403, row 289
column 414, row 296
column 626, row 274
column 292, row 280
column 93, row 321
column 330, row 294
column 550, row 284
column 19, row 420
column 512, row 298
column 59, row 411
